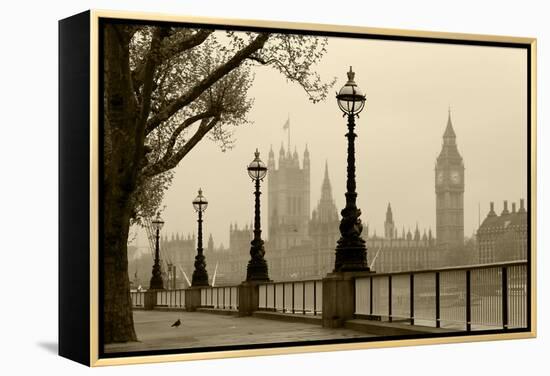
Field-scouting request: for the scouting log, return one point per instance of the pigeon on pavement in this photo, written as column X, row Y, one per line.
column 177, row 323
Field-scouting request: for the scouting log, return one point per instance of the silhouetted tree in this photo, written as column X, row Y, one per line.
column 165, row 89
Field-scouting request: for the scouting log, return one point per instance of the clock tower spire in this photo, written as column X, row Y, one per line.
column 449, row 191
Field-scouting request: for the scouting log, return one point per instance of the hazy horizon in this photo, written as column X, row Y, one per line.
column 409, row 88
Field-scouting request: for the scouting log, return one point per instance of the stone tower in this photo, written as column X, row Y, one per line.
column 288, row 199
column 449, row 191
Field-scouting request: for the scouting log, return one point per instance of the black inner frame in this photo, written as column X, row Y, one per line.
column 102, row 21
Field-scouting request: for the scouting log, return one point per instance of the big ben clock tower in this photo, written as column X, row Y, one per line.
column 449, row 192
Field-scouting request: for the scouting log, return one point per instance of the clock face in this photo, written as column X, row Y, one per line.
column 455, row 177
column 440, row 177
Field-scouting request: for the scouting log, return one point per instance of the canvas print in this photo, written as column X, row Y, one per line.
column 266, row 188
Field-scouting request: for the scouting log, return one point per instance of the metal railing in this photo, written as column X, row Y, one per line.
column 472, row 298
column 138, row 298
column 220, row 297
column 171, row 298
column 305, row 297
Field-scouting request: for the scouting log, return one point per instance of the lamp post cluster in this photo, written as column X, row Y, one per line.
column 351, row 250
column 257, row 267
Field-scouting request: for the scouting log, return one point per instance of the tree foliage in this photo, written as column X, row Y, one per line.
column 191, row 83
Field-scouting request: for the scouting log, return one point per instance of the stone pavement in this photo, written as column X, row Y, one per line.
column 200, row 329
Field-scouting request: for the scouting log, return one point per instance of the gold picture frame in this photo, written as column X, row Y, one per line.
column 86, row 26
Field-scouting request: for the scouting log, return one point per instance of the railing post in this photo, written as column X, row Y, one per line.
column 411, row 297
column 314, row 298
column 304, row 298
column 284, row 308
column 437, row 301
column 293, row 297
column 505, row 298
column 468, row 301
column 274, row 297
column 230, row 305
column 370, row 296
column 389, row 299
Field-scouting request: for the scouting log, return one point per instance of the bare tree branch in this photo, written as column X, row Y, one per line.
column 290, row 75
column 184, row 125
column 169, row 163
column 175, row 105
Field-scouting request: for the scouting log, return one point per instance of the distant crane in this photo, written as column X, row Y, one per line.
column 215, row 273
column 185, row 275
column 375, row 256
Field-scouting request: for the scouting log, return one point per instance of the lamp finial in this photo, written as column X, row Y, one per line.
column 351, row 74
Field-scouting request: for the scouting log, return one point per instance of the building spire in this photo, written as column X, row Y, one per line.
column 306, row 158
column 389, row 227
column 389, row 213
column 326, row 189
column 326, row 209
column 449, row 131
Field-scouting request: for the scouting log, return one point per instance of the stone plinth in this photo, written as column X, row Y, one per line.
column 339, row 297
column 150, row 299
column 192, row 299
column 249, row 298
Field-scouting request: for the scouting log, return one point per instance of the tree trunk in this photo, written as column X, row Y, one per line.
column 118, row 318
column 119, row 183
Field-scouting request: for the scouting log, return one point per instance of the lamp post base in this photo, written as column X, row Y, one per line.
column 200, row 275
column 351, row 256
column 257, row 271
column 156, row 282
column 257, row 266
column 200, row 278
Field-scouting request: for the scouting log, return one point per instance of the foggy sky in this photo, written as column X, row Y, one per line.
column 409, row 88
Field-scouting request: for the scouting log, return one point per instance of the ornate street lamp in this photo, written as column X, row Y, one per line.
column 156, row 280
column 257, row 266
column 351, row 251
column 200, row 276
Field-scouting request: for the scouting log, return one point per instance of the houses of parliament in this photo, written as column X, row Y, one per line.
column 300, row 242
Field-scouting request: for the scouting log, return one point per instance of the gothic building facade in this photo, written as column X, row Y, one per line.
column 300, row 242
column 288, row 199
column 503, row 237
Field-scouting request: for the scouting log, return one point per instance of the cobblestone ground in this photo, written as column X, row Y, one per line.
column 199, row 329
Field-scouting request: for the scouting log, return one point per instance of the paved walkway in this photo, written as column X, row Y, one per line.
column 200, row 329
